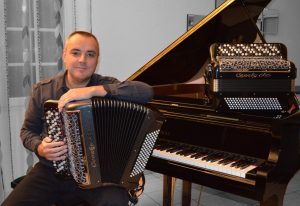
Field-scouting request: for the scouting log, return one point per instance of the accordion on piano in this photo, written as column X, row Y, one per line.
column 252, row 78
column 109, row 141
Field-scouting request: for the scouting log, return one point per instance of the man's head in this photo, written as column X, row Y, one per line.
column 80, row 55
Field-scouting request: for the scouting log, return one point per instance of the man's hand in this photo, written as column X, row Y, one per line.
column 52, row 150
column 79, row 94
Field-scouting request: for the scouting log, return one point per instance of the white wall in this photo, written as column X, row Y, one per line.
column 132, row 32
column 288, row 29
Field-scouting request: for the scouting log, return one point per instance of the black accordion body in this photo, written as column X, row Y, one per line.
column 254, row 78
column 109, row 141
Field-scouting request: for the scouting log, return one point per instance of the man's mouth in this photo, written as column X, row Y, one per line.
column 81, row 68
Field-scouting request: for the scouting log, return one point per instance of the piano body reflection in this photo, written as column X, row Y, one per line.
column 252, row 154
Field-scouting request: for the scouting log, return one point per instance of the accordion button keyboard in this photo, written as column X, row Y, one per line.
column 53, row 121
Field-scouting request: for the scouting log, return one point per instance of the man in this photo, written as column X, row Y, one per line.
column 41, row 186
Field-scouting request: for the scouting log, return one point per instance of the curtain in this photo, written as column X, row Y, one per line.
column 32, row 44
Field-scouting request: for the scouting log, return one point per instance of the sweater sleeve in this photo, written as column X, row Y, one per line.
column 33, row 124
column 134, row 91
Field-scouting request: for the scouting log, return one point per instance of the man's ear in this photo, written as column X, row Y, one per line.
column 63, row 55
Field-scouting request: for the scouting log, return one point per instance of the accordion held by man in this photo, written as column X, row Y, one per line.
column 254, row 77
column 109, row 141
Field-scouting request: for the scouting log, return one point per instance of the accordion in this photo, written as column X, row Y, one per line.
column 251, row 78
column 109, row 141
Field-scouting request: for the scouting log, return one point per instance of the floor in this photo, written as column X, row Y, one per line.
column 152, row 195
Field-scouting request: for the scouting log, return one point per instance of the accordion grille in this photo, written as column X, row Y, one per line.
column 248, row 103
column 145, row 153
column 118, row 125
column 254, row 64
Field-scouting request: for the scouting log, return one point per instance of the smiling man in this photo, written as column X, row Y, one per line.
column 79, row 81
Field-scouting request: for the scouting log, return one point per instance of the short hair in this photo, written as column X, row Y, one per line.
column 85, row 34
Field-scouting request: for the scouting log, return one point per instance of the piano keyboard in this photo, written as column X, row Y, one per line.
column 219, row 161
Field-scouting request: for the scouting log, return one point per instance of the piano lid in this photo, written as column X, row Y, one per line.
column 234, row 21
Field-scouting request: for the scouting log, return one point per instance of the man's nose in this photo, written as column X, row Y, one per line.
column 82, row 58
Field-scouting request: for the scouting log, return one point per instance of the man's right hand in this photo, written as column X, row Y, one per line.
column 81, row 93
column 52, row 150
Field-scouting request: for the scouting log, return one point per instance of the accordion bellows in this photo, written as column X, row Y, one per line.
column 109, row 141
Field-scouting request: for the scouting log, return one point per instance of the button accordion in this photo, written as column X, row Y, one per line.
column 109, row 141
column 254, row 78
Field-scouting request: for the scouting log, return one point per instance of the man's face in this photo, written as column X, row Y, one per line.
column 80, row 58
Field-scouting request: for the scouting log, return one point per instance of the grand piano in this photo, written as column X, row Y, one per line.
column 253, row 155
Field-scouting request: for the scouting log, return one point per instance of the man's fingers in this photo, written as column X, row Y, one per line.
column 57, row 155
column 58, row 149
column 61, row 104
column 47, row 139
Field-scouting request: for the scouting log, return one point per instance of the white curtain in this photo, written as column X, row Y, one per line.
column 31, row 46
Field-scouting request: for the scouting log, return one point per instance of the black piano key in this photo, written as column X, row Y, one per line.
column 174, row 150
column 235, row 164
column 211, row 156
column 186, row 151
column 164, row 146
column 197, row 152
column 244, row 166
column 223, row 158
column 219, row 156
column 215, row 158
column 230, row 159
column 240, row 163
column 160, row 146
column 200, row 154
column 182, row 152
column 171, row 149
column 247, row 162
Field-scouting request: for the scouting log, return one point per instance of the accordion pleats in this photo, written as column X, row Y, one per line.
column 117, row 125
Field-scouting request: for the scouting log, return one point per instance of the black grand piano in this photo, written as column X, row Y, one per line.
column 252, row 154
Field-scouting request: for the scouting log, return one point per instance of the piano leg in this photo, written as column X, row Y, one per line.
column 186, row 193
column 169, row 184
column 276, row 199
column 273, row 201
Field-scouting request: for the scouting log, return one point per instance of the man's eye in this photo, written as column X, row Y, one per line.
column 75, row 53
column 91, row 54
